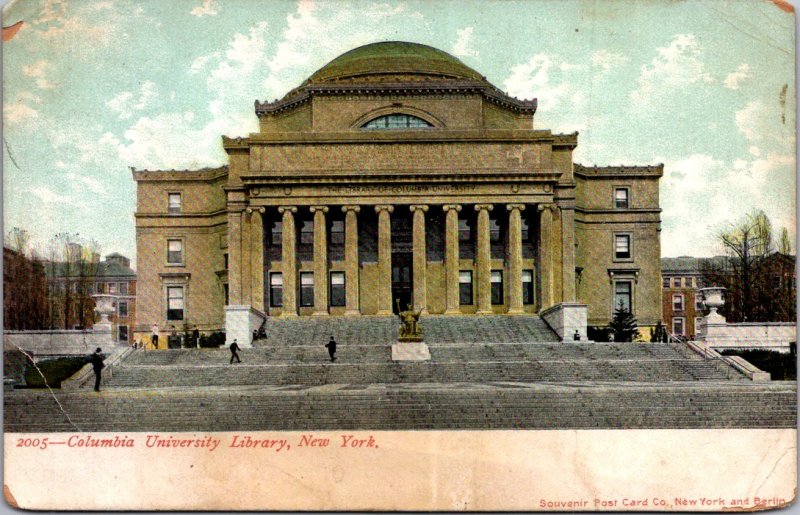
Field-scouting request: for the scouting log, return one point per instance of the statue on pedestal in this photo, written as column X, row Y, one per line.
column 410, row 331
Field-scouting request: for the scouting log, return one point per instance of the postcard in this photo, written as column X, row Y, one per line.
column 399, row 255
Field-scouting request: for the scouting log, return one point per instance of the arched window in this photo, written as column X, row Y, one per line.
column 396, row 121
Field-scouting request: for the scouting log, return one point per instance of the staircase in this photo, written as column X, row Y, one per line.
column 481, row 376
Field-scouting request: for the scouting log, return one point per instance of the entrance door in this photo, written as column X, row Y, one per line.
column 402, row 280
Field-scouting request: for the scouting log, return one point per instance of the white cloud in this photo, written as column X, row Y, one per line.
column 125, row 103
column 606, row 61
column 750, row 120
column 48, row 196
column 545, row 78
column 463, row 45
column 93, row 185
column 38, row 70
column 377, row 11
column 735, row 77
column 209, row 8
column 22, row 109
column 677, row 65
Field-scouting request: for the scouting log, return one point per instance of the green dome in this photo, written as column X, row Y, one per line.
column 394, row 57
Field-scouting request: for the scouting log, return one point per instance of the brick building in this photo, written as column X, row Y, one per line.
column 24, row 292
column 682, row 304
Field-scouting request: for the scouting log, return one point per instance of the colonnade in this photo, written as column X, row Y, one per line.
column 245, row 231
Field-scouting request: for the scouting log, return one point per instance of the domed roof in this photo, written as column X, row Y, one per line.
column 394, row 57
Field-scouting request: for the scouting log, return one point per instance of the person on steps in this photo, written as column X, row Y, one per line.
column 331, row 345
column 235, row 347
column 97, row 365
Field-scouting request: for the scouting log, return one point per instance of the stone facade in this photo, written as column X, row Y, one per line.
column 395, row 175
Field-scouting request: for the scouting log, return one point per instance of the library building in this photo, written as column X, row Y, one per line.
column 395, row 177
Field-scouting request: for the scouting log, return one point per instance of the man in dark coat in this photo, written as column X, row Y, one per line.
column 97, row 365
column 196, row 338
column 331, row 345
column 235, row 347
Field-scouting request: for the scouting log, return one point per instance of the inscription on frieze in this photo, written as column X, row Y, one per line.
column 368, row 157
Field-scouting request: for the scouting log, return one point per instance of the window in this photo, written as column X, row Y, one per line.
column 276, row 234
column 494, row 230
column 307, row 233
column 665, row 282
column 464, row 232
column 396, row 121
column 497, row 286
column 306, row 288
column 525, row 230
column 225, row 261
column 677, row 302
column 112, row 288
column 123, row 288
column 99, row 288
column 276, row 290
column 337, row 232
column 527, row 286
column 621, row 198
column 678, row 326
column 689, row 282
column 337, row 289
column 697, row 322
column 122, row 309
column 174, row 203
column 122, row 331
column 622, row 295
column 698, row 303
column 465, row 287
column 175, row 303
column 622, row 246
column 175, row 252
column 677, row 282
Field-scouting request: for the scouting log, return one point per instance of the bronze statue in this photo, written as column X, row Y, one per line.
column 409, row 331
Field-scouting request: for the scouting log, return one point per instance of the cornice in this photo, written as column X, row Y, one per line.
column 202, row 174
column 616, row 172
column 433, row 135
column 446, row 176
column 305, row 93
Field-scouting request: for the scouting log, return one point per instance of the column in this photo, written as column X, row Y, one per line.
column 351, row 272
column 257, row 250
column 247, row 259
column 420, row 260
column 545, row 254
column 234, row 258
column 289, row 262
column 320, row 261
column 384, row 259
column 451, row 259
column 483, row 263
column 568, row 255
column 514, row 280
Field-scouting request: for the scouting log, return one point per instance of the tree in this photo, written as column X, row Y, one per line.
column 745, row 271
column 72, row 265
column 624, row 325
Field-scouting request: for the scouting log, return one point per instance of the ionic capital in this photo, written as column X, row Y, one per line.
column 448, row 207
column 262, row 210
column 384, row 207
column 249, row 210
column 287, row 209
column 355, row 209
column 314, row 209
column 481, row 207
column 512, row 207
column 418, row 207
column 550, row 207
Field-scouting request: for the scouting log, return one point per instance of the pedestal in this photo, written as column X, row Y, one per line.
column 410, row 351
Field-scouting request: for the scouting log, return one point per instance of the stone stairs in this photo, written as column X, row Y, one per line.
column 476, row 379
column 374, row 407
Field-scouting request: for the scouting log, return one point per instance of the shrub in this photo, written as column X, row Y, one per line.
column 782, row 367
column 212, row 340
column 54, row 370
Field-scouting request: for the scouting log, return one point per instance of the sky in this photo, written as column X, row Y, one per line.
column 91, row 88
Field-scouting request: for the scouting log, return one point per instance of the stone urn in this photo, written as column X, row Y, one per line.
column 104, row 306
column 713, row 298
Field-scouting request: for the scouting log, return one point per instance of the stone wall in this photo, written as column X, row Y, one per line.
column 57, row 342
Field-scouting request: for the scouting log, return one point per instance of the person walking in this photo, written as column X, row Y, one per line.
column 97, row 365
column 154, row 337
column 331, row 345
column 235, row 347
column 196, row 338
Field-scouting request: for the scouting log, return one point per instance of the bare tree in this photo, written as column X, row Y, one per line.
column 744, row 270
